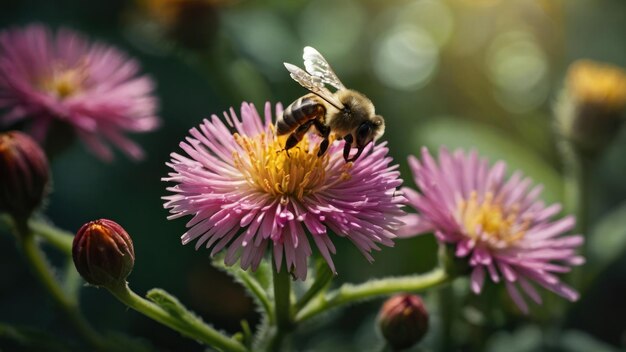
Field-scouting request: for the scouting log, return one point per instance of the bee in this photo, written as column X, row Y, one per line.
column 346, row 113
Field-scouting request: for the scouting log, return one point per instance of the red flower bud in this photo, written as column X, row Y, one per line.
column 24, row 174
column 403, row 321
column 103, row 253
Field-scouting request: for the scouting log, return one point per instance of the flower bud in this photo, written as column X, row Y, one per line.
column 403, row 321
column 590, row 108
column 103, row 253
column 24, row 174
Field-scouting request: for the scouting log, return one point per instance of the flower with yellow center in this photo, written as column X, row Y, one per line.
column 245, row 193
column 499, row 225
column 64, row 83
column 60, row 81
column 270, row 169
column 487, row 221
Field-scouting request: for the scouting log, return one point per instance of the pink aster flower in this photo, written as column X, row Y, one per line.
column 245, row 194
column 96, row 89
column 499, row 225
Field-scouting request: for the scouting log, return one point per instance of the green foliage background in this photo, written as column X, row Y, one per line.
column 471, row 74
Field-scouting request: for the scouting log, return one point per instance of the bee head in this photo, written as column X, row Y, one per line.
column 369, row 130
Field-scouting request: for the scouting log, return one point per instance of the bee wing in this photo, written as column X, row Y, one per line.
column 313, row 84
column 317, row 66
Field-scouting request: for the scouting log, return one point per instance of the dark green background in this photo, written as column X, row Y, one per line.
column 246, row 43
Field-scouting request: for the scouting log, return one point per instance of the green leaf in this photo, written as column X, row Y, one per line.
column 246, row 333
column 578, row 341
column 118, row 342
column 262, row 335
column 257, row 284
column 607, row 240
column 524, row 339
column 21, row 338
column 179, row 318
column 493, row 144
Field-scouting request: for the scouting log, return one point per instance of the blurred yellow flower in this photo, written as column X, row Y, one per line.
column 597, row 83
column 590, row 107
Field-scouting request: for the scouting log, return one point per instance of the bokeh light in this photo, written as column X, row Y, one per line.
column 471, row 74
column 405, row 58
column 434, row 16
column 518, row 69
column 344, row 20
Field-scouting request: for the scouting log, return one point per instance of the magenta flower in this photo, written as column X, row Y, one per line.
column 246, row 194
column 499, row 225
column 92, row 87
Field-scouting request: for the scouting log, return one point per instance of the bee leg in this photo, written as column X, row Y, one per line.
column 292, row 141
column 324, row 132
column 358, row 153
column 347, row 146
column 297, row 136
column 323, row 147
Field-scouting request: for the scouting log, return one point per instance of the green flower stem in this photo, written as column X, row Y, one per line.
column 282, row 307
column 191, row 328
column 60, row 239
column 349, row 293
column 72, row 281
column 41, row 268
column 446, row 302
column 282, row 297
column 577, row 183
column 577, row 189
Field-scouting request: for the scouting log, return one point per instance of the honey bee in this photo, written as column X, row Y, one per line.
column 346, row 113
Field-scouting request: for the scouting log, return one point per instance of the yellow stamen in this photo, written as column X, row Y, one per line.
column 65, row 82
column 486, row 220
column 267, row 166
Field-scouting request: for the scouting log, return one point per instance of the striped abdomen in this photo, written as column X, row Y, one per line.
column 300, row 111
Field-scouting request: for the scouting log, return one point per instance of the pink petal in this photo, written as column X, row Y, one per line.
column 413, row 225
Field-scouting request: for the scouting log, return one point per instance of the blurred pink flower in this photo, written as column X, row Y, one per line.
column 92, row 87
column 499, row 225
column 245, row 193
